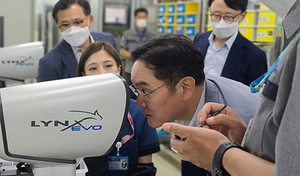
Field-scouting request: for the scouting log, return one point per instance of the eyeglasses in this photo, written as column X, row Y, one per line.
column 143, row 93
column 227, row 19
column 66, row 26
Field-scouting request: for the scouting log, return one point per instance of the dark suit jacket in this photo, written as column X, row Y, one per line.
column 245, row 61
column 60, row 62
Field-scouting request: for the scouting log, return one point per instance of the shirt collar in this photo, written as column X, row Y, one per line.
column 200, row 105
column 141, row 34
column 290, row 25
column 76, row 48
column 228, row 43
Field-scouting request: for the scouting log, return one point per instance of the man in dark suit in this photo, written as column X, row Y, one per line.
column 226, row 51
column 74, row 19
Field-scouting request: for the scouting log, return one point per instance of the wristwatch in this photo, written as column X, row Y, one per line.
column 218, row 157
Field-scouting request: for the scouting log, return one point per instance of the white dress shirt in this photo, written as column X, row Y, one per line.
column 215, row 58
column 78, row 52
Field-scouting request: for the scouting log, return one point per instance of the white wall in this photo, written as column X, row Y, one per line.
column 18, row 21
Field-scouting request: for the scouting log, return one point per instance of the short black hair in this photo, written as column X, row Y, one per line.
column 64, row 4
column 141, row 9
column 171, row 57
column 234, row 4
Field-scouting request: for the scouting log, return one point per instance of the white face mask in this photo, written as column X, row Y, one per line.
column 76, row 35
column 224, row 30
column 280, row 7
column 142, row 23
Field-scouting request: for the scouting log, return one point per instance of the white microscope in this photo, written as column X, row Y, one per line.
column 51, row 124
column 19, row 63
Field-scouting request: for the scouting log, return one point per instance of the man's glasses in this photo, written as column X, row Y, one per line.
column 66, row 26
column 227, row 19
column 143, row 93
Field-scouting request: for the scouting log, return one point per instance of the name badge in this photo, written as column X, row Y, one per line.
column 118, row 163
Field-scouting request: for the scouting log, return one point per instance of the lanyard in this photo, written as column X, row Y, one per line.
column 258, row 83
column 131, row 124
